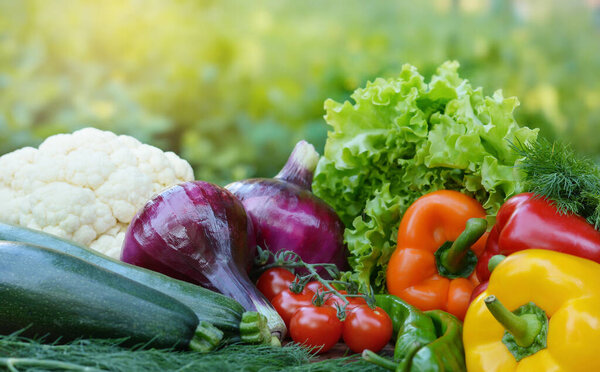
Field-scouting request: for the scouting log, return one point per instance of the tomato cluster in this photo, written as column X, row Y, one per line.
column 319, row 326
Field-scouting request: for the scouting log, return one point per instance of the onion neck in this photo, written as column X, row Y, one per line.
column 300, row 166
column 230, row 281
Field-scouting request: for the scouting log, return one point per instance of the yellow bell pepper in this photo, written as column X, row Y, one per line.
column 565, row 287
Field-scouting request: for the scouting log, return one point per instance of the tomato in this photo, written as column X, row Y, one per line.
column 366, row 328
column 273, row 281
column 287, row 303
column 353, row 302
column 316, row 326
column 333, row 300
column 315, row 286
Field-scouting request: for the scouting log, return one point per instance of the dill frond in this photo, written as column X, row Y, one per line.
column 555, row 171
column 23, row 354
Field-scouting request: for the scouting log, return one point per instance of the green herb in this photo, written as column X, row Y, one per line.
column 23, row 354
column 554, row 171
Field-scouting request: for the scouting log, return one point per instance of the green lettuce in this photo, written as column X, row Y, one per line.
column 403, row 138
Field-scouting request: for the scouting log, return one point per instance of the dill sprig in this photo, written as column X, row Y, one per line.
column 555, row 171
column 24, row 354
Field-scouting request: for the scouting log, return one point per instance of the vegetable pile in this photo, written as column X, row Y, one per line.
column 403, row 138
column 316, row 312
column 456, row 219
column 199, row 232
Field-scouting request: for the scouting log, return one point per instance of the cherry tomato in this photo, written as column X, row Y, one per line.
column 366, row 328
column 315, row 286
column 273, row 281
column 316, row 326
column 332, row 300
column 287, row 303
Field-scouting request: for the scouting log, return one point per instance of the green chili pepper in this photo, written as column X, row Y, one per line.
column 426, row 341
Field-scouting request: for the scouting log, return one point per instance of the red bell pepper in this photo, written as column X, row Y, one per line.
column 527, row 222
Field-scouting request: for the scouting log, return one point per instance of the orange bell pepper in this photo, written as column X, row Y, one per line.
column 439, row 239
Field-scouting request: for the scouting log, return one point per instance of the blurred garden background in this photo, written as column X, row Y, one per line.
column 232, row 85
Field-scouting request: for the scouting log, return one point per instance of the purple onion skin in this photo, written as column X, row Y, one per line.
column 288, row 216
column 196, row 231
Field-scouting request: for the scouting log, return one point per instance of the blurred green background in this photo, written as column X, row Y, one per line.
column 232, row 85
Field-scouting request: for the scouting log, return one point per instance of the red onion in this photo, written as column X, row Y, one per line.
column 288, row 216
column 199, row 232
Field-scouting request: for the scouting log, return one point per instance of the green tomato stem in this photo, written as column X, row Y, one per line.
column 291, row 259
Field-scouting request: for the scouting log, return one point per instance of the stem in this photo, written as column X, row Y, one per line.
column 371, row 357
column 291, row 259
column 494, row 261
column 325, row 283
column 10, row 364
column 291, row 265
column 275, row 342
column 402, row 366
column 523, row 328
column 252, row 300
column 299, row 283
column 453, row 258
column 254, row 329
column 206, row 338
column 300, row 166
column 406, row 363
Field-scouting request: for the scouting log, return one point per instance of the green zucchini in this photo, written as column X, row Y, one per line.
column 59, row 296
column 223, row 312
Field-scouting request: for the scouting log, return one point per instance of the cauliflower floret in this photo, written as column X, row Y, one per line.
column 86, row 186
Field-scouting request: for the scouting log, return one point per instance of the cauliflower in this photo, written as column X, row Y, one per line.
column 86, row 186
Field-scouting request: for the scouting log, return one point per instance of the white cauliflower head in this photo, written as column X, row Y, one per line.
column 86, row 186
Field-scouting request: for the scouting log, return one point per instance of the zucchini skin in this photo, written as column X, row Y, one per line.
column 223, row 312
column 60, row 296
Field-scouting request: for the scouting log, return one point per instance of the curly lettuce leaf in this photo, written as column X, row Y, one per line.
column 403, row 138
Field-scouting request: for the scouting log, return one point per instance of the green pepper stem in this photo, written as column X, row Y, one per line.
column 371, row 357
column 406, row 363
column 453, row 258
column 402, row 366
column 524, row 328
column 495, row 261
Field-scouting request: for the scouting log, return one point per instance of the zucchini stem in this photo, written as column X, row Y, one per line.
column 254, row 329
column 206, row 338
